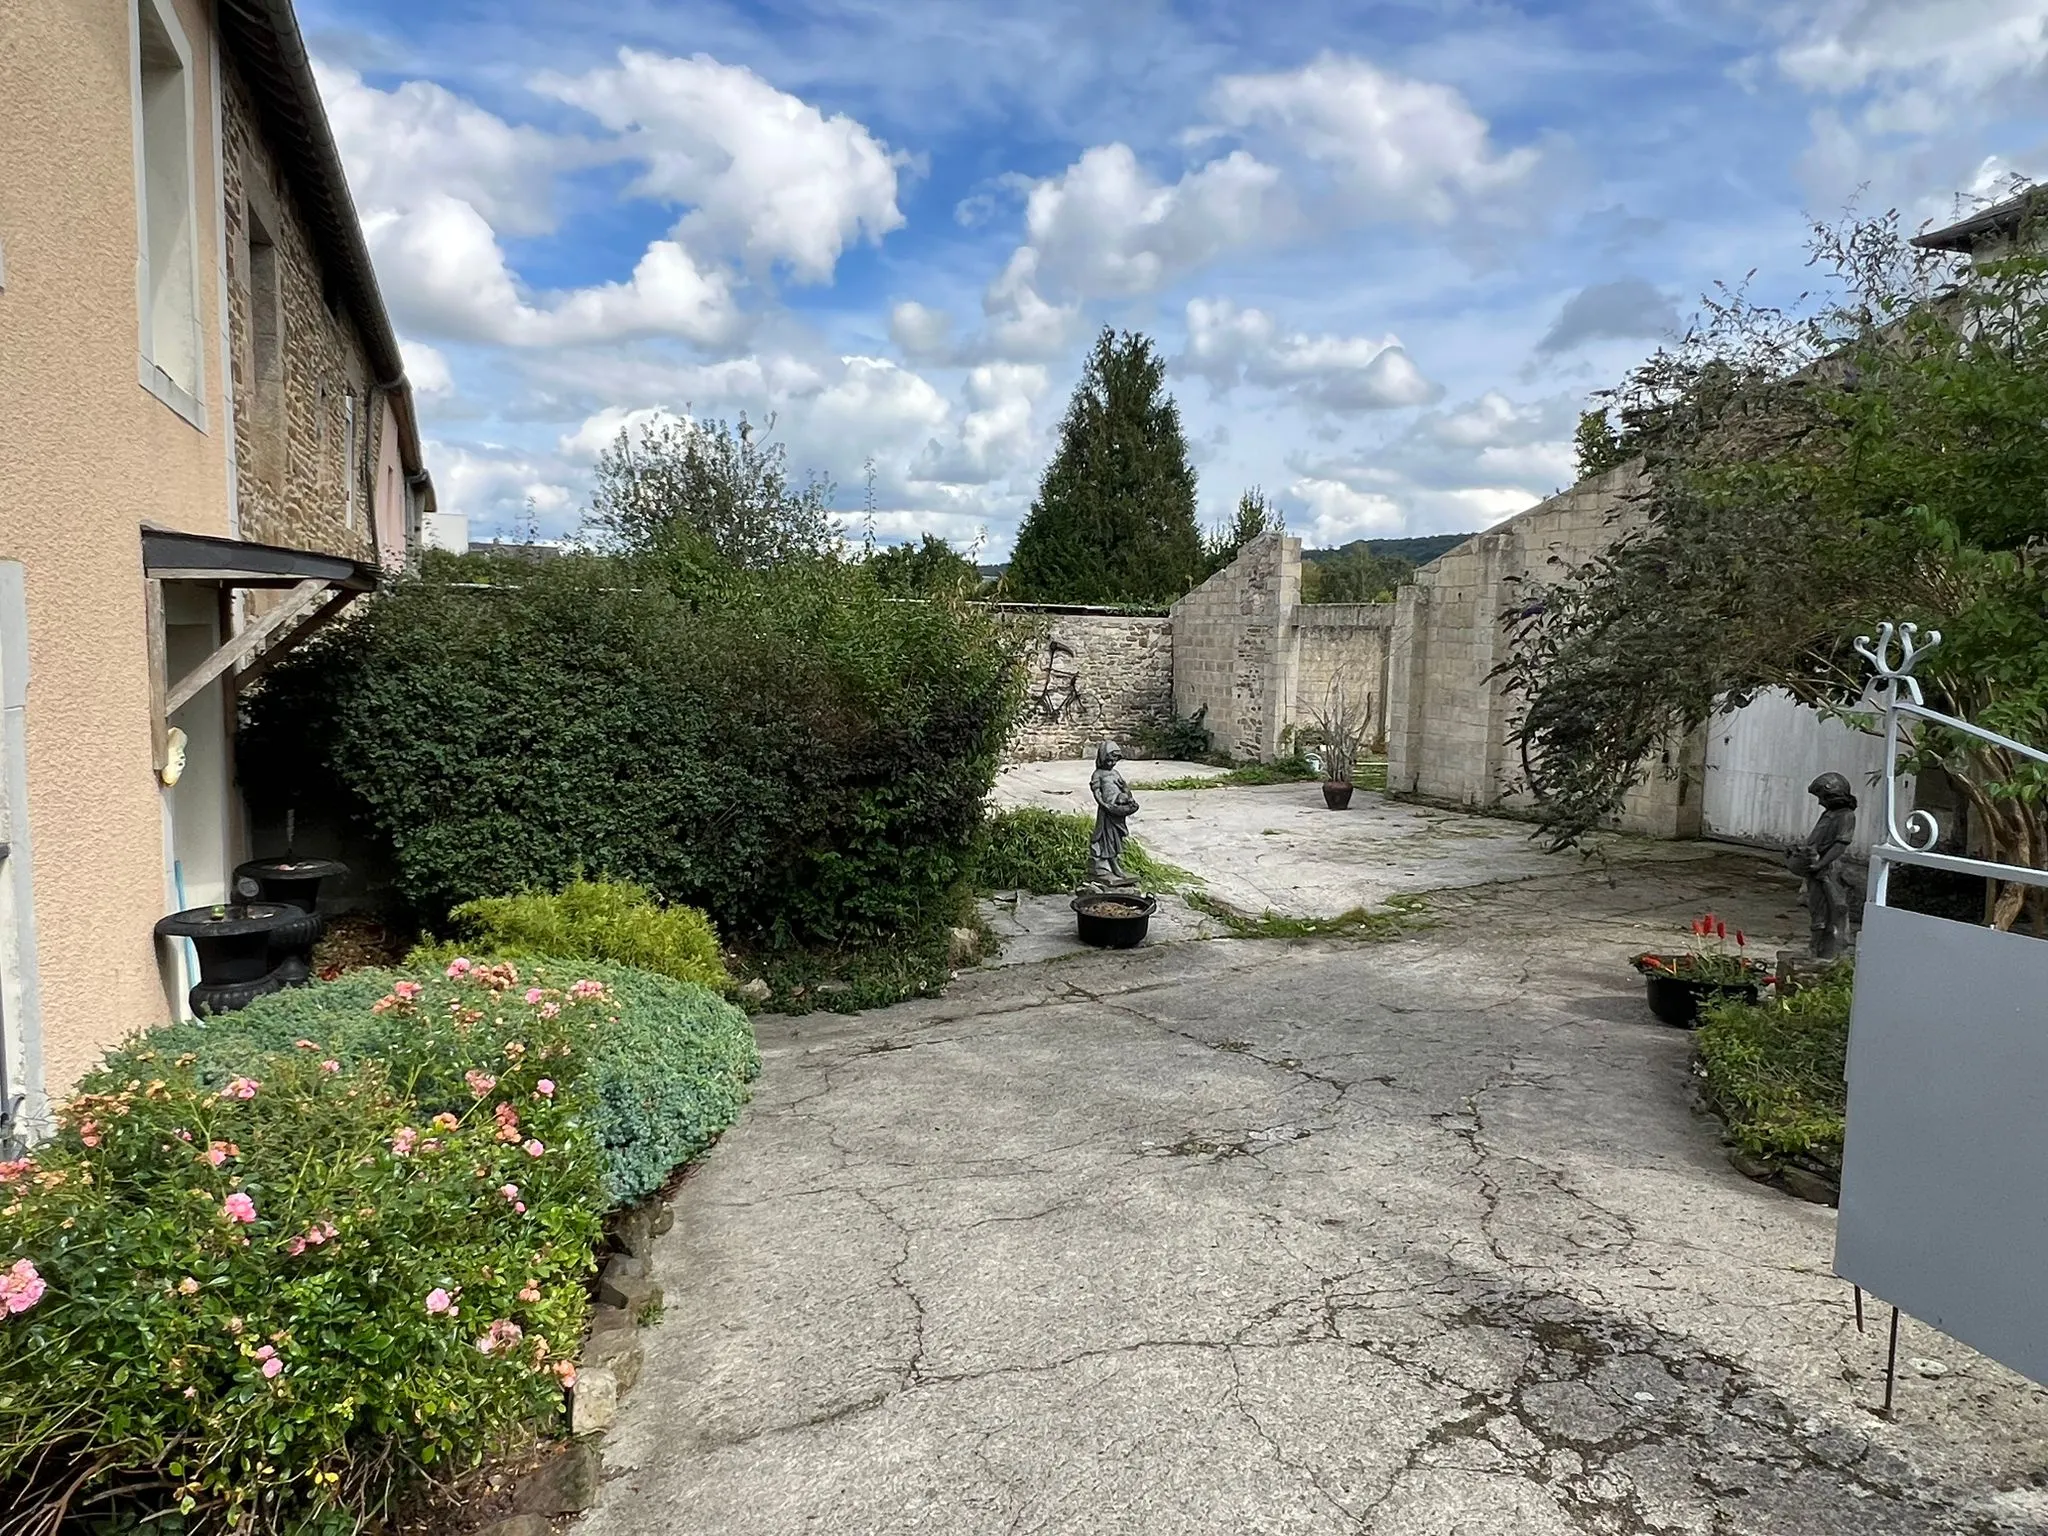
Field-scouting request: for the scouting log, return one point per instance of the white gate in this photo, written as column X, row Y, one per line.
column 1760, row 758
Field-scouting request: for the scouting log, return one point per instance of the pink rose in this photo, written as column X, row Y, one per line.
column 241, row 1088
column 239, row 1207
column 533, row 996
column 533, row 1149
column 529, row 1294
column 272, row 1367
column 438, row 1301
column 586, row 989
column 457, row 969
column 405, row 991
column 509, row 1191
column 330, row 1065
column 545, row 1088
column 480, row 1083
column 21, row 1287
column 402, row 1143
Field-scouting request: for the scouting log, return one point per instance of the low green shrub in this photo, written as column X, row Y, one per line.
column 1179, row 738
column 596, row 920
column 1029, row 848
column 666, row 1070
column 1776, row 1072
column 261, row 1290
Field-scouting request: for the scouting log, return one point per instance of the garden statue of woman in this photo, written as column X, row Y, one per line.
column 1113, row 807
column 1819, row 861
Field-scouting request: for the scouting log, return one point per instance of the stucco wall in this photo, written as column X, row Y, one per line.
column 87, row 455
column 1449, row 720
column 1089, row 677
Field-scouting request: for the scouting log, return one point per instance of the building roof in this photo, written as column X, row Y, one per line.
column 2000, row 220
column 265, row 39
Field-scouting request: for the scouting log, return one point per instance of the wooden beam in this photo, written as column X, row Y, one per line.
column 247, row 643
column 153, row 640
column 272, row 654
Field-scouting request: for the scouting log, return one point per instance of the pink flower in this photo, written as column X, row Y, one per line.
column 403, row 1141
column 11, row 1171
column 439, row 1301
column 457, row 969
column 272, row 1367
column 584, row 989
column 550, row 1010
column 533, row 1149
column 446, row 1122
column 89, row 1132
column 405, row 991
column 188, row 1287
column 296, row 1247
column 519, row 1207
column 545, row 1088
column 266, row 1352
column 217, row 1152
column 533, row 996
column 509, row 1191
column 21, row 1287
column 241, row 1088
column 508, row 1122
column 239, row 1207
column 502, row 1334
column 480, row 1083
column 330, row 1065
column 529, row 1294
column 305, row 1045
column 565, row 1373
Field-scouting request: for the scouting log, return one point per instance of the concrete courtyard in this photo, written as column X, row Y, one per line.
column 1230, row 1236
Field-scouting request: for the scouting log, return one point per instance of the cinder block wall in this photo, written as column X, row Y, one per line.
column 1449, row 720
column 1089, row 677
column 1342, row 642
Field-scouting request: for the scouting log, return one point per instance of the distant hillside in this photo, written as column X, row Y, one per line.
column 1415, row 551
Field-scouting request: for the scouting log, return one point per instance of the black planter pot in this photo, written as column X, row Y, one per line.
column 1677, row 1000
column 292, row 883
column 234, row 952
column 1337, row 796
column 1121, row 928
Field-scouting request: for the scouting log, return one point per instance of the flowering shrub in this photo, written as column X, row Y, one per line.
column 253, row 1291
column 665, row 1072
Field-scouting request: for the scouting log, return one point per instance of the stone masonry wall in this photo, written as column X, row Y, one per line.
column 297, row 362
column 1449, row 719
column 1089, row 677
column 1234, row 648
column 1347, row 643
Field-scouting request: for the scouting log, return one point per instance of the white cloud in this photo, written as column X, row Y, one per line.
column 1021, row 323
column 1228, row 345
column 422, row 138
column 1398, row 148
column 995, row 436
column 598, row 431
column 427, row 370
column 1338, row 513
column 493, row 486
column 1106, row 226
column 924, row 334
column 1960, row 46
column 767, row 177
column 1628, row 307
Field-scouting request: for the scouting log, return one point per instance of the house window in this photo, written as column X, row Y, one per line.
column 169, row 274
column 265, row 397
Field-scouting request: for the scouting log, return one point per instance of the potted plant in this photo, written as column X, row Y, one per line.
column 1706, row 971
column 1341, row 727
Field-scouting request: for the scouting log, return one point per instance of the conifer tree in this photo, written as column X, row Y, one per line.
column 1114, row 521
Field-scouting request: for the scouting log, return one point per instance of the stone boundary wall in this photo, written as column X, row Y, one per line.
column 1448, row 719
column 1233, row 651
column 1088, row 677
column 1347, row 643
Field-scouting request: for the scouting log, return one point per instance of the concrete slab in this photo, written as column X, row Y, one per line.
column 1402, row 1239
column 1277, row 848
column 1034, row 928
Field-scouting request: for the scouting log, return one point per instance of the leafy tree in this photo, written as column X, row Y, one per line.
column 693, row 489
column 1808, row 474
column 1353, row 574
column 1114, row 521
column 1598, row 446
column 1255, row 518
column 927, row 568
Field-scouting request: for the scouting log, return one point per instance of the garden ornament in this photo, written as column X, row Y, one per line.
column 1113, row 808
column 1818, row 861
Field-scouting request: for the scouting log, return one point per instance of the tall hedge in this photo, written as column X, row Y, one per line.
column 792, row 750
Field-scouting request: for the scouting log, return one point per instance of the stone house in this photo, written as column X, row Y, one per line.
column 210, row 451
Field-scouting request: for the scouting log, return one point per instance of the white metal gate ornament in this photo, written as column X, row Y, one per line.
column 1944, row 1208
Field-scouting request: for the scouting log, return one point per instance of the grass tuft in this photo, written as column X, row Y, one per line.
column 1399, row 917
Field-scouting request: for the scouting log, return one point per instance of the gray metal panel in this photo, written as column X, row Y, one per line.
column 1760, row 758
column 1945, row 1171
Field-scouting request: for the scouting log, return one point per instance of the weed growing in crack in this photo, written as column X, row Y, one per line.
column 1399, row 917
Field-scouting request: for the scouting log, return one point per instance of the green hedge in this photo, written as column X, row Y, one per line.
column 1776, row 1072
column 249, row 1285
column 793, row 751
column 667, row 1070
column 596, row 920
column 1029, row 848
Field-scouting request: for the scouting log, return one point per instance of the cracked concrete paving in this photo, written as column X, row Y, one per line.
column 1229, row 1236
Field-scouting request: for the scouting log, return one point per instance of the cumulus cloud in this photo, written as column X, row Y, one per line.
column 1398, row 148
column 766, row 176
column 1228, row 345
column 598, row 431
column 1338, row 513
column 1959, row 47
column 1624, row 308
column 1107, row 226
column 995, row 436
column 494, row 486
column 925, row 334
column 427, row 369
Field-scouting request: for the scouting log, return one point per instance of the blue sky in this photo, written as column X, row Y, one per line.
column 1388, row 248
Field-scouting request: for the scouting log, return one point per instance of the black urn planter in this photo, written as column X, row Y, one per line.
column 1113, row 920
column 1337, row 796
column 233, row 944
column 293, row 883
column 1676, row 999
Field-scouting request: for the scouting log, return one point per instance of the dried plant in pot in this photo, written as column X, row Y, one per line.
column 1706, row 971
column 1339, row 730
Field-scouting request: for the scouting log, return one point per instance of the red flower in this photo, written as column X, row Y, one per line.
column 1720, row 929
column 1741, row 940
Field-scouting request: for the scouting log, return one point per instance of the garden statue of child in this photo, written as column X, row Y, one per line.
column 1113, row 808
column 1819, row 861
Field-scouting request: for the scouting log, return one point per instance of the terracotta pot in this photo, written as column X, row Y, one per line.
column 1337, row 796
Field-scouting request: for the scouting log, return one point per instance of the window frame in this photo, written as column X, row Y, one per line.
column 188, row 403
